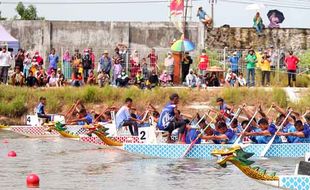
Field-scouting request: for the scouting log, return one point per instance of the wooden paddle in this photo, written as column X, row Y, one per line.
column 194, row 142
column 69, row 113
column 274, row 136
column 240, row 136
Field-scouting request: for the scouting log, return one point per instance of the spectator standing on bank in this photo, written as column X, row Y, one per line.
column 186, row 64
column 145, row 69
column 5, row 58
column 273, row 59
column 27, row 64
column 92, row 57
column 291, row 62
column 153, row 59
column 251, row 61
column 123, row 54
column 105, row 63
column 203, row 62
column 234, row 63
column 258, row 23
column 19, row 59
column 76, row 59
column 169, row 64
column 66, row 65
column 53, row 60
column 265, row 67
column 134, row 64
column 87, row 64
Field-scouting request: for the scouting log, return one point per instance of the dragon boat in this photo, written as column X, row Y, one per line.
column 240, row 158
column 153, row 145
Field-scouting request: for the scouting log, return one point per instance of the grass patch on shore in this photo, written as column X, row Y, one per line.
column 16, row 102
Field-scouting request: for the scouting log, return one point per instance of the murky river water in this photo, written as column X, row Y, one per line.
column 66, row 164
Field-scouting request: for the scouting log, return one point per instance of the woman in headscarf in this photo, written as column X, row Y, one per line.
column 66, row 66
column 27, row 64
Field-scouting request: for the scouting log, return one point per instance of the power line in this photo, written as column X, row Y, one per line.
column 85, row 2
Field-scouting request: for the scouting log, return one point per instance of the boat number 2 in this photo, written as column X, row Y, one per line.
column 142, row 133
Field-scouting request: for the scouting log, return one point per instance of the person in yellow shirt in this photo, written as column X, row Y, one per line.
column 265, row 67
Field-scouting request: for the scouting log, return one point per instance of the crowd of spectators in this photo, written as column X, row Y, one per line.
column 82, row 68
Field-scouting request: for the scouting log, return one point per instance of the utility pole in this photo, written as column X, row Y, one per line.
column 212, row 2
column 185, row 21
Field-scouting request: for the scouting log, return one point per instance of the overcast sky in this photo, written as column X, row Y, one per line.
column 226, row 11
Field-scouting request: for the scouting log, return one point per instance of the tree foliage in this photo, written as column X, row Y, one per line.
column 27, row 13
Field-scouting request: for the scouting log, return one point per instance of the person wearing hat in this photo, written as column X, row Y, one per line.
column 251, row 61
column 234, row 63
column 191, row 79
column 291, row 62
column 186, row 64
column 165, row 78
column 169, row 64
column 105, row 63
column 60, row 78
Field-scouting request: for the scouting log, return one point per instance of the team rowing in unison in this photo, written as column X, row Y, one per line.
column 218, row 126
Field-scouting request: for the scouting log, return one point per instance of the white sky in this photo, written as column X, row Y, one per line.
column 226, row 11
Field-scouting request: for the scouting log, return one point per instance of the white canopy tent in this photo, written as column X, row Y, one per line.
column 7, row 39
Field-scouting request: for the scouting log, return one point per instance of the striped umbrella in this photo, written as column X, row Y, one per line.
column 183, row 45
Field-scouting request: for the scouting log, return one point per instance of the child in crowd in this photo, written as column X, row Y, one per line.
column 139, row 80
column 144, row 68
column 241, row 80
column 153, row 80
column 203, row 62
column 18, row 77
column 61, row 78
column 103, row 79
column 31, row 81
column 52, row 81
column 165, row 78
column 77, row 79
column 91, row 80
column 231, row 78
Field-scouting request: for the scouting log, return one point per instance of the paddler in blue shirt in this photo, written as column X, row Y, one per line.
column 41, row 110
column 84, row 118
column 266, row 132
column 302, row 133
column 225, row 135
column 167, row 121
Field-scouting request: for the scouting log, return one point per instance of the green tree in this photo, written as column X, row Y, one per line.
column 27, row 13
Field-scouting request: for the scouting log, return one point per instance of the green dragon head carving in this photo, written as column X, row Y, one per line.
column 59, row 126
column 100, row 129
column 235, row 153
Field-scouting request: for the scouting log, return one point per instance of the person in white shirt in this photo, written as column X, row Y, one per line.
column 52, row 81
column 231, row 78
column 5, row 58
column 241, row 80
column 191, row 79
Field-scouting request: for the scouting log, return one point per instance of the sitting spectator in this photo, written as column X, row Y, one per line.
column 204, row 18
column 241, row 80
column 258, row 24
column 103, row 79
column 122, row 80
column 31, row 81
column 42, row 77
column 165, row 78
column 153, row 80
column 77, row 79
column 18, row 77
column 145, row 70
column 214, row 81
column 231, row 78
column 52, row 81
column 139, row 80
column 61, row 78
column 191, row 79
column 91, row 80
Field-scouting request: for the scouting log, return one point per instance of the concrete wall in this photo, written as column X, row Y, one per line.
column 42, row 35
